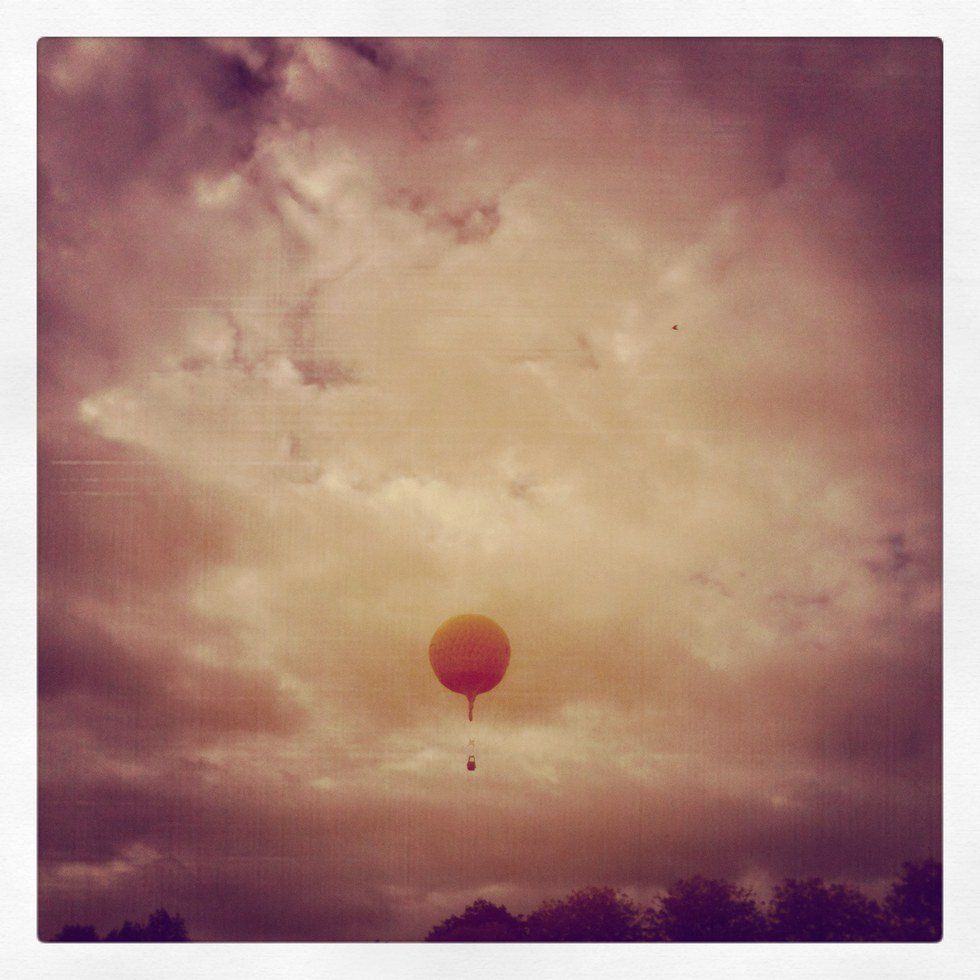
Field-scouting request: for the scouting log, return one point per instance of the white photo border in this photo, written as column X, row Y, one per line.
column 954, row 22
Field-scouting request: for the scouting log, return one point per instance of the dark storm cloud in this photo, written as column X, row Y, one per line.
column 266, row 891
column 106, row 516
column 159, row 110
column 876, row 708
column 373, row 52
column 876, row 104
column 138, row 699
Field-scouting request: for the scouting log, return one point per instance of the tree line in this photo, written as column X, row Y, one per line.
column 701, row 909
column 694, row 910
column 161, row 927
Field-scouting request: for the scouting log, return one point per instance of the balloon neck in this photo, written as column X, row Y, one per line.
column 471, row 698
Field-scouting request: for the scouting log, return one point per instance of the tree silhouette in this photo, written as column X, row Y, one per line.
column 590, row 915
column 813, row 912
column 162, row 927
column 915, row 903
column 482, row 922
column 703, row 910
column 128, row 932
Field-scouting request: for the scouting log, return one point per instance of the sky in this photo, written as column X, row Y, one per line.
column 338, row 339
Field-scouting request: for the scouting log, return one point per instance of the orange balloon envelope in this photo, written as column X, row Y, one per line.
column 469, row 655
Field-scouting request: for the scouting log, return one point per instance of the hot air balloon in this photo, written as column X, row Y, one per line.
column 469, row 655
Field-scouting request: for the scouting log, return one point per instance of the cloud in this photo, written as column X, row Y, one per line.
column 338, row 339
column 597, row 819
column 136, row 697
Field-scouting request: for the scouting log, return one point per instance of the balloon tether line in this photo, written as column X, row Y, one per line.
column 472, row 746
